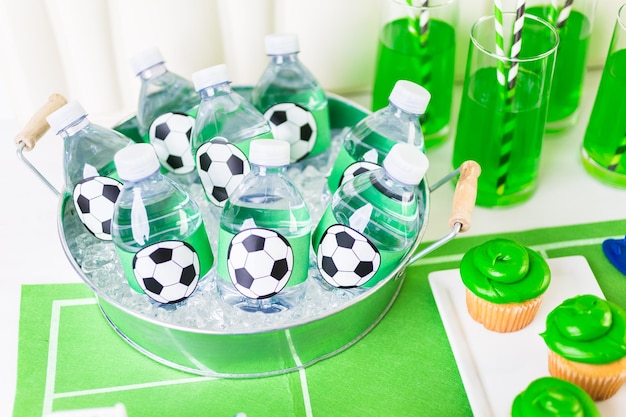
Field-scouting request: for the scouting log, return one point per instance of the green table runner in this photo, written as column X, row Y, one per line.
column 69, row 357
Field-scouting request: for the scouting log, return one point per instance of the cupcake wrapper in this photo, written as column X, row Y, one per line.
column 502, row 318
column 600, row 381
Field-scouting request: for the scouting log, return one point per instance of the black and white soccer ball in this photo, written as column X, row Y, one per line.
column 346, row 258
column 167, row 271
column 221, row 167
column 293, row 124
column 170, row 135
column 260, row 262
column 355, row 169
column 94, row 200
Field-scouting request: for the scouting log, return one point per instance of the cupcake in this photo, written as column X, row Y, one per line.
column 586, row 339
column 548, row 396
column 504, row 284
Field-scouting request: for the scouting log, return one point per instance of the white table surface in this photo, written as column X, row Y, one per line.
column 32, row 254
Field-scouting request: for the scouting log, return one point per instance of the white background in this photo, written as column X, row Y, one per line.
column 81, row 48
column 340, row 53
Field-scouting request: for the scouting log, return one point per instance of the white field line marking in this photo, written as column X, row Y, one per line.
column 50, row 395
column 133, row 387
column 540, row 248
column 303, row 381
column 53, row 344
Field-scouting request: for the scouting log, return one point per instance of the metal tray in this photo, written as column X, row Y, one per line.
column 269, row 351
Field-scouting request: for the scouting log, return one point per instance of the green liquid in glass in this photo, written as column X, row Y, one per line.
column 569, row 68
column 431, row 66
column 605, row 136
column 480, row 130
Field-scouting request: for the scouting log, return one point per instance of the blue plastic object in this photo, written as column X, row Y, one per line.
column 615, row 251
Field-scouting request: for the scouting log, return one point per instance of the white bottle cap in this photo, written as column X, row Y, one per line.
column 65, row 116
column 136, row 162
column 406, row 164
column 146, row 59
column 281, row 44
column 270, row 152
column 211, row 76
column 410, row 97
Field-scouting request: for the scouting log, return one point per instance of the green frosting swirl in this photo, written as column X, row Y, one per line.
column 587, row 329
column 553, row 397
column 502, row 271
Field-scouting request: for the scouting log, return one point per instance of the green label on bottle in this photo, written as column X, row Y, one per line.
column 260, row 262
column 198, row 241
column 347, row 258
column 343, row 161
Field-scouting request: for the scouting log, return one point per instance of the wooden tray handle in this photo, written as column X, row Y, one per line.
column 37, row 126
column 465, row 195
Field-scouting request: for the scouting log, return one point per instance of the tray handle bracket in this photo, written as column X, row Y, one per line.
column 35, row 128
column 462, row 205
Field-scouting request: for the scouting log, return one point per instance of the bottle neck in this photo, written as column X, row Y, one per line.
column 77, row 126
column 398, row 112
column 153, row 71
column 150, row 178
column 284, row 59
column 216, row 90
column 265, row 170
column 392, row 188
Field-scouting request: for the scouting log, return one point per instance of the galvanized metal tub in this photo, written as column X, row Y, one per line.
column 266, row 351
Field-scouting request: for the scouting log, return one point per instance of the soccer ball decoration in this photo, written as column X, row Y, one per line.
column 346, row 258
column 355, row 169
column 167, row 271
column 221, row 167
column 260, row 262
column 94, row 200
column 170, row 135
column 293, row 124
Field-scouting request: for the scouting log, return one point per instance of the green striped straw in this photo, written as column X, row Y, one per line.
column 425, row 63
column 420, row 28
column 508, row 83
column 617, row 156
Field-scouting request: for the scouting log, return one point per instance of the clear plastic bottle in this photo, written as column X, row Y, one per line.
column 165, row 112
column 157, row 229
column 265, row 232
column 372, row 221
column 88, row 148
column 292, row 100
column 371, row 139
column 226, row 123
column 89, row 171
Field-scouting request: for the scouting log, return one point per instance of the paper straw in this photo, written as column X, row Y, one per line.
column 500, row 67
column 564, row 14
column 425, row 63
column 554, row 12
column 617, row 156
column 508, row 125
column 424, row 23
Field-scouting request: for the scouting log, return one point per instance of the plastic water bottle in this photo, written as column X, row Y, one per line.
column 372, row 221
column 265, row 231
column 292, row 100
column 166, row 110
column 226, row 123
column 90, row 176
column 371, row 139
column 157, row 229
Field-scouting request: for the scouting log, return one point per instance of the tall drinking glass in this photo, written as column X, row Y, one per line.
column 604, row 145
column 417, row 43
column 573, row 20
column 501, row 124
